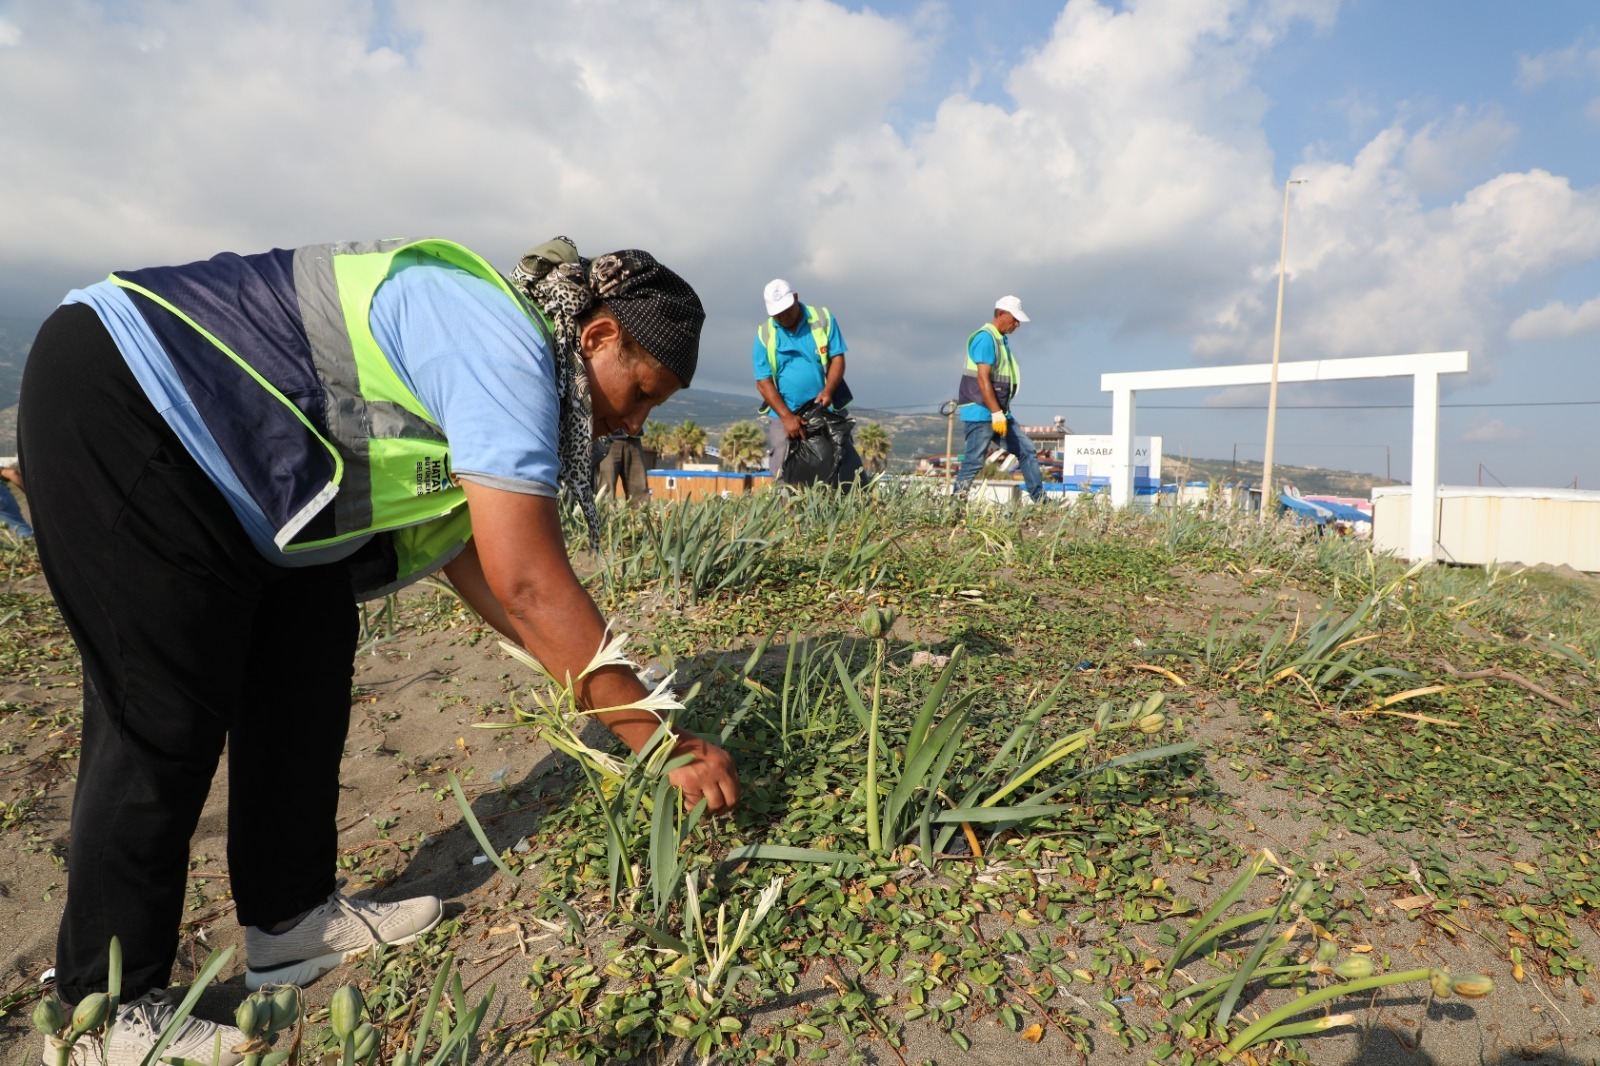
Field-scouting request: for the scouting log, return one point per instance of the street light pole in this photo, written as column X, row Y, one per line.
column 1277, row 338
column 949, row 438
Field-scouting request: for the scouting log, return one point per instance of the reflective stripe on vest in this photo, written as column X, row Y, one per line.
column 384, row 462
column 820, row 319
column 1005, row 375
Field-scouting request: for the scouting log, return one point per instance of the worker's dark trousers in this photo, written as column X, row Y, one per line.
column 189, row 639
column 624, row 461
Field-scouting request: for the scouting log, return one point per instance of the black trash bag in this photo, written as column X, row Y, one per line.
column 817, row 457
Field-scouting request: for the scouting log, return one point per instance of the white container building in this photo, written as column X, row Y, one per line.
column 1558, row 527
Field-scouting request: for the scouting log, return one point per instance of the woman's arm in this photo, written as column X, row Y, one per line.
column 516, row 574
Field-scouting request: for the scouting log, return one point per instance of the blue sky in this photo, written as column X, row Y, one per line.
column 1117, row 165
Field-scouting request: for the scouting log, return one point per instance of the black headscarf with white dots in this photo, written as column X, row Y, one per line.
column 658, row 309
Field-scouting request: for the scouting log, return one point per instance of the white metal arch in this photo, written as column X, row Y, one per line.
column 1424, row 371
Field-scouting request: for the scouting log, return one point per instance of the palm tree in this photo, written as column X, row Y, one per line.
column 689, row 440
column 744, row 446
column 874, row 445
column 657, row 439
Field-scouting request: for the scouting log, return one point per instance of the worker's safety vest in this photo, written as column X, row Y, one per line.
column 820, row 319
column 1005, row 375
column 277, row 354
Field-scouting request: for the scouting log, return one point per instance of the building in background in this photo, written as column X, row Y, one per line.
column 1482, row 526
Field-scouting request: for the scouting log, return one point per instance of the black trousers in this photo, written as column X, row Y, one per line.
column 189, row 640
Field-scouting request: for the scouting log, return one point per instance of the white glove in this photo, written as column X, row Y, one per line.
column 997, row 420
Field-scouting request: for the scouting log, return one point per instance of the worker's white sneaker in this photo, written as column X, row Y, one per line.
column 139, row 1027
column 338, row 929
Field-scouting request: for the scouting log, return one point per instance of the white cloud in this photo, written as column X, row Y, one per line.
column 1375, row 271
column 1556, row 320
column 1440, row 156
column 1579, row 59
column 1493, row 431
column 1129, row 179
column 172, row 131
column 10, row 33
column 1360, row 110
column 1125, row 179
column 1592, row 111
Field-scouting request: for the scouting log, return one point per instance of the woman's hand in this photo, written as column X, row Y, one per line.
column 515, row 573
column 712, row 775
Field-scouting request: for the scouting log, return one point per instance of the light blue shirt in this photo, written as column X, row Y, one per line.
column 800, row 372
column 479, row 366
column 980, row 349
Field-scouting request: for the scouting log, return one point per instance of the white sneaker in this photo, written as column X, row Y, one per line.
column 339, row 929
column 139, row 1027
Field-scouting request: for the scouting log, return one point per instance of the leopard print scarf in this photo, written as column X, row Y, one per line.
column 555, row 280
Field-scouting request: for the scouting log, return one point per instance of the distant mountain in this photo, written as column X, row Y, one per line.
column 716, row 411
column 1310, row 480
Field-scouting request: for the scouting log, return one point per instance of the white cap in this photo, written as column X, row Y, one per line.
column 779, row 296
column 1013, row 305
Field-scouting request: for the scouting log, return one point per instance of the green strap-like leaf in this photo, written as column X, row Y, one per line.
column 1226, row 900
column 659, row 938
column 425, row 1027
column 784, row 853
column 1252, row 961
column 1136, row 758
column 851, row 695
column 1024, row 730
column 494, row 856
column 985, row 815
column 919, row 728
column 207, row 974
column 915, row 776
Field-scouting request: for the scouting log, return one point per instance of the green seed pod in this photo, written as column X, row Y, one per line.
column 1326, row 950
column 1472, row 986
column 48, row 1017
column 1440, row 980
column 1302, row 893
column 91, row 1013
column 275, row 1058
column 1151, row 723
column 344, row 1011
column 251, row 1016
column 875, row 622
column 401, row 1058
column 1355, row 968
column 285, row 1008
column 366, row 1038
column 1153, row 704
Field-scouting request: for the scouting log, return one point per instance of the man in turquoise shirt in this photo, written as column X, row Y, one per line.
column 987, row 388
column 798, row 359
